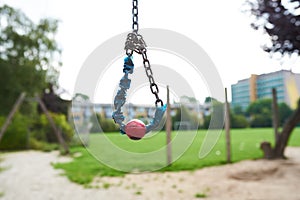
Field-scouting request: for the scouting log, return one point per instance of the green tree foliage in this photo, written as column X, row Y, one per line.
column 29, row 56
column 210, row 99
column 260, row 113
column 108, row 125
column 184, row 115
column 24, row 132
column 261, row 120
column 16, row 136
column 238, row 121
column 284, row 113
column 43, row 131
column 261, row 106
column 238, row 118
column 206, row 121
column 103, row 124
column 29, row 62
column 217, row 114
column 238, row 110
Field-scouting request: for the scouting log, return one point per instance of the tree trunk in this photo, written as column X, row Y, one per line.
column 286, row 132
column 283, row 137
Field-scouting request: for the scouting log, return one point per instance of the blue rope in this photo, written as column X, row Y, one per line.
column 120, row 100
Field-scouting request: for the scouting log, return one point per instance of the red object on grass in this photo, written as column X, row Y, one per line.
column 135, row 129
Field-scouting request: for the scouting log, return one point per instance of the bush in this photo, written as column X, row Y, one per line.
column 261, row 120
column 216, row 124
column 206, row 121
column 43, row 131
column 35, row 144
column 238, row 121
column 284, row 112
column 41, row 145
column 16, row 135
column 106, row 125
column 260, row 113
column 184, row 115
column 34, row 132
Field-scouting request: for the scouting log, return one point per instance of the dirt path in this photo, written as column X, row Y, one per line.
column 30, row 176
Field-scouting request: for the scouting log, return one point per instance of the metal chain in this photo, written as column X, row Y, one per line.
column 135, row 18
column 153, row 86
column 136, row 43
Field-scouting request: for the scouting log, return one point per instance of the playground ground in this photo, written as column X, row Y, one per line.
column 29, row 175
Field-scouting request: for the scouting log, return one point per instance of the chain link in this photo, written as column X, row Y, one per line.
column 135, row 43
column 153, row 86
column 135, row 18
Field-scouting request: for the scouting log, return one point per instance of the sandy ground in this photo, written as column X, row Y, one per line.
column 30, row 176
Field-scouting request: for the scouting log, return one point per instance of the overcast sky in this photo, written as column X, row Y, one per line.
column 218, row 26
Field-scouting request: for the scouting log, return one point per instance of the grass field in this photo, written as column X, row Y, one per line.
column 245, row 145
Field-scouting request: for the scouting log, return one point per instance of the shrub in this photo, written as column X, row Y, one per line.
column 44, row 131
column 34, row 132
column 206, row 122
column 238, row 121
column 16, row 135
column 184, row 115
column 41, row 145
column 35, row 144
column 261, row 120
column 106, row 125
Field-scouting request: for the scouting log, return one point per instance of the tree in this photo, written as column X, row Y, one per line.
column 260, row 106
column 284, row 112
column 238, row 110
column 238, row 121
column 184, row 115
column 29, row 56
column 215, row 118
column 283, row 137
column 238, row 118
column 280, row 20
column 210, row 99
column 106, row 125
column 260, row 113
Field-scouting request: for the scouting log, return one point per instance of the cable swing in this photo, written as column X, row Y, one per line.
column 136, row 129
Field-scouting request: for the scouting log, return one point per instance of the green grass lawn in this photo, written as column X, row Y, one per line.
column 245, row 145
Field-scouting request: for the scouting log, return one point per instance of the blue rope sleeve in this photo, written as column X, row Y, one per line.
column 159, row 113
column 120, row 100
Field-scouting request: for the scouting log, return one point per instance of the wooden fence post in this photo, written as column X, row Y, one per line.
column 169, row 129
column 227, row 127
column 275, row 115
